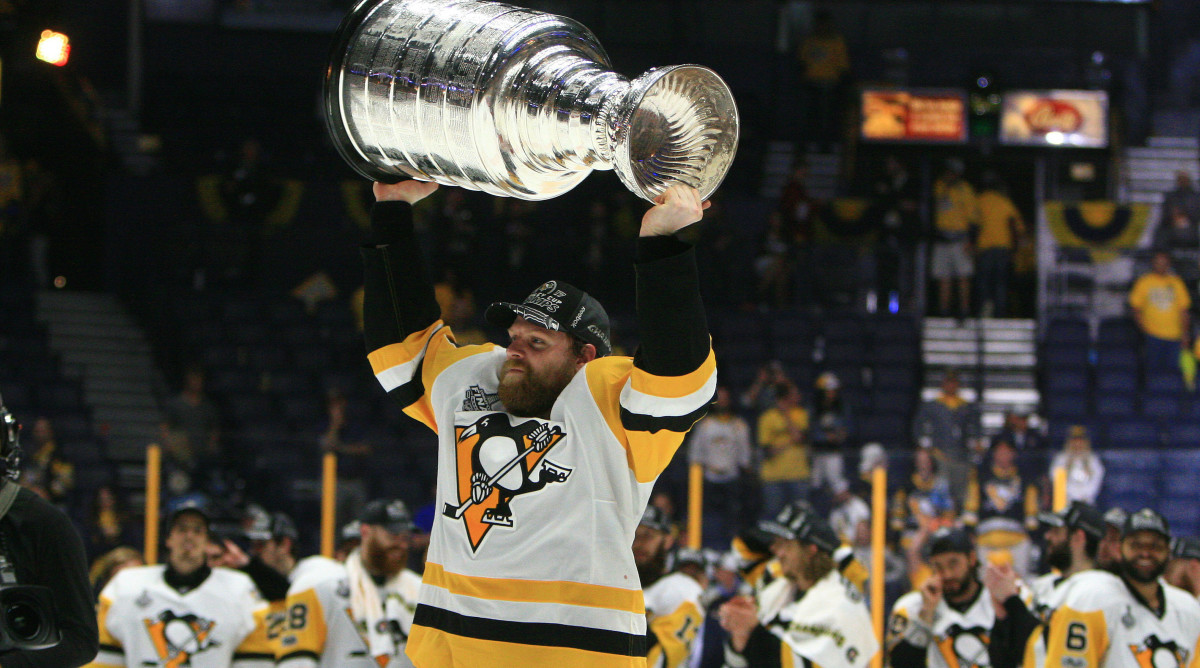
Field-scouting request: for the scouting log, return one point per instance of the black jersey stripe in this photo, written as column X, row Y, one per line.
column 542, row 634
column 652, row 423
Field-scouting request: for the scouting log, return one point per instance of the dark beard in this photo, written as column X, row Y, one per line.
column 1130, row 571
column 380, row 562
column 651, row 570
column 1059, row 558
column 961, row 594
column 534, row 394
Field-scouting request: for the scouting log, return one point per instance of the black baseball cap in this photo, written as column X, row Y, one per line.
column 351, row 530
column 189, row 505
column 655, row 518
column 1115, row 517
column 1146, row 520
column 560, row 307
column 276, row 525
column 797, row 521
column 389, row 514
column 950, row 540
column 1078, row 515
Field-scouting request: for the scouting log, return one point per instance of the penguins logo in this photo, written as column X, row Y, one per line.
column 496, row 462
column 1154, row 653
column 965, row 647
column 176, row 639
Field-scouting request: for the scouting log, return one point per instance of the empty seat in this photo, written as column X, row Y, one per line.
column 894, row 378
column 893, row 402
column 848, row 330
column 1163, row 381
column 1116, row 358
column 1067, row 407
column 1118, row 332
column 1068, row 332
column 736, row 349
column 1064, row 357
column 840, row 353
column 1161, row 407
column 1137, row 460
column 1111, row 404
column 883, row 428
column 1133, row 434
column 233, row 381
column 894, row 354
column 1066, row 380
column 896, row 329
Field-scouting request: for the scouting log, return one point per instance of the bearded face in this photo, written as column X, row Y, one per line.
column 650, row 554
column 527, row 391
column 1144, row 556
column 384, row 553
column 1058, row 549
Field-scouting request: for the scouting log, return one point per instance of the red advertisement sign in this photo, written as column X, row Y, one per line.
column 1055, row 118
column 916, row 115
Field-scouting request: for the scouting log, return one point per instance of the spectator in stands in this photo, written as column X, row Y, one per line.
column 848, row 512
column 108, row 525
column 112, row 562
column 1160, row 304
column 949, row 427
column 830, row 424
column 1179, row 216
column 348, row 442
column 896, row 205
column 782, row 434
column 923, row 502
column 197, row 415
column 774, row 264
column 46, row 470
column 761, row 394
column 825, row 63
column 1000, row 228
column 720, row 443
column 1085, row 471
column 1018, row 431
column 457, row 301
column 956, row 212
column 1002, row 507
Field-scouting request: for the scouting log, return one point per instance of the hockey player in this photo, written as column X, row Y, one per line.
column 183, row 613
column 356, row 615
column 812, row 615
column 673, row 612
column 1134, row 620
column 1072, row 542
column 947, row 623
column 548, row 449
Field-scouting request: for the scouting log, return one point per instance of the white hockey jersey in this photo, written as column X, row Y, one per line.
column 143, row 622
column 828, row 626
column 1102, row 623
column 675, row 615
column 957, row 639
column 320, row 630
column 529, row 560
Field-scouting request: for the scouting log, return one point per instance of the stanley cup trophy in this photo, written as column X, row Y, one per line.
column 515, row 102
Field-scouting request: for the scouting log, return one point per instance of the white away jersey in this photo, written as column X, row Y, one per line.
column 674, row 614
column 1101, row 623
column 529, row 560
column 828, row 626
column 143, row 622
column 959, row 639
column 320, row 630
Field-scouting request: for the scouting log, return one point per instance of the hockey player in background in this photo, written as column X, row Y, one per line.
column 1134, row 620
column 183, row 613
column 812, row 615
column 947, row 622
column 548, row 448
column 673, row 612
column 356, row 615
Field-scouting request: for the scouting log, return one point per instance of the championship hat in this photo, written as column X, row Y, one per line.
column 389, row 514
column 1146, row 520
column 560, row 307
column 797, row 522
column 1078, row 515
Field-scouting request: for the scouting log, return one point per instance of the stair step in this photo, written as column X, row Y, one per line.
column 994, row 396
column 990, row 360
column 1174, row 142
column 1164, row 152
column 1026, row 346
column 57, row 300
column 100, row 344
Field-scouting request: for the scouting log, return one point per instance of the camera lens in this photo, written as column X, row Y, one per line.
column 24, row 620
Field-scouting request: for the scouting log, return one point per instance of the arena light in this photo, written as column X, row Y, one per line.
column 54, row 48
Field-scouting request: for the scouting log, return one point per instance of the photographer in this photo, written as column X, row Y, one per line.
column 43, row 549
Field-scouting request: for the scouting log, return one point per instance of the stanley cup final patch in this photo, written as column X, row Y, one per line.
column 496, row 462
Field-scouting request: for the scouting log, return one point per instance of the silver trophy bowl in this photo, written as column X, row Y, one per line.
column 514, row 102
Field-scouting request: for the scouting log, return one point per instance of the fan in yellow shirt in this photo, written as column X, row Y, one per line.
column 784, row 470
column 1160, row 303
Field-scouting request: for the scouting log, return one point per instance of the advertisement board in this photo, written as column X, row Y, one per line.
column 914, row 115
column 1068, row 118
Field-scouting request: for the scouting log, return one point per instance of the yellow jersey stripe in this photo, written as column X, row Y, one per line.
column 673, row 387
column 531, row 591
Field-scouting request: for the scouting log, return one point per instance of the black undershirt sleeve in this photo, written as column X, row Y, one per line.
column 272, row 584
column 398, row 296
column 908, row 655
column 1010, row 635
column 670, row 313
column 763, row 649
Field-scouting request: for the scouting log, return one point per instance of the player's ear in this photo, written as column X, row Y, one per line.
column 587, row 354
